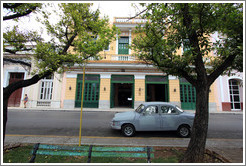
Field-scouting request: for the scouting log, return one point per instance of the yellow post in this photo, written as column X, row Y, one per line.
column 82, row 99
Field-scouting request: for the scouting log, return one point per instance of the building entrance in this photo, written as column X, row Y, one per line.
column 156, row 88
column 122, row 95
column 187, row 95
column 91, row 91
column 122, row 91
column 157, row 92
column 15, row 97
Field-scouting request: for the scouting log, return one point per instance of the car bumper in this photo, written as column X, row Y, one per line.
column 115, row 127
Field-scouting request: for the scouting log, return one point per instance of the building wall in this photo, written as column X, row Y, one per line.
column 70, row 91
column 224, row 93
column 139, row 91
column 174, row 91
column 104, row 98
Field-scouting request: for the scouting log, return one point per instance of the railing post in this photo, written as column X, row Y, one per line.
column 35, row 149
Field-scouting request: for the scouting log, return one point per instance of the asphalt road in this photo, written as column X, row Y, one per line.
column 66, row 123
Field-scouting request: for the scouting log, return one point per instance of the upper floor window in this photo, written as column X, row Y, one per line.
column 123, row 45
column 106, row 48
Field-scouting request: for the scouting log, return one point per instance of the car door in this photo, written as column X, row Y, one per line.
column 149, row 120
column 169, row 117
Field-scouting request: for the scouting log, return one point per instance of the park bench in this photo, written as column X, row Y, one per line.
column 92, row 151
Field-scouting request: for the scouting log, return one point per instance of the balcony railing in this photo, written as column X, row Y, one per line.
column 115, row 57
column 128, row 20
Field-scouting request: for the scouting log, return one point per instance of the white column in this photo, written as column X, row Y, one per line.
column 116, row 48
column 130, row 39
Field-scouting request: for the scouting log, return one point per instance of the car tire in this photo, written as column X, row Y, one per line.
column 128, row 130
column 184, row 131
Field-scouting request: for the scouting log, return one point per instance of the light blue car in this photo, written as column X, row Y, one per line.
column 154, row 116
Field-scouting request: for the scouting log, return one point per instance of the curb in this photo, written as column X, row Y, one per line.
column 105, row 110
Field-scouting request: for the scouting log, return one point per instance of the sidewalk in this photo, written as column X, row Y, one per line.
column 231, row 149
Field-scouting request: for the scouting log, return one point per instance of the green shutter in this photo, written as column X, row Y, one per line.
column 123, row 47
column 187, row 95
column 91, row 91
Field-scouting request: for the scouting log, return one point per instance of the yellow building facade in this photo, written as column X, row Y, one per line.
column 120, row 80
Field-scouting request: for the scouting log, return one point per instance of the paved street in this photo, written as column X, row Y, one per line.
column 225, row 135
column 95, row 123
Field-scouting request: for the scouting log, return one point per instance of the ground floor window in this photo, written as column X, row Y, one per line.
column 91, row 91
column 187, row 95
column 234, row 94
column 46, row 90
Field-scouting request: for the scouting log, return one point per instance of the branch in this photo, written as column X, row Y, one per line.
column 19, row 14
column 219, row 70
column 7, row 91
column 138, row 14
column 15, row 5
column 17, row 61
column 69, row 43
column 14, row 51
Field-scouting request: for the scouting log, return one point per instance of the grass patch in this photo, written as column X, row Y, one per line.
column 22, row 154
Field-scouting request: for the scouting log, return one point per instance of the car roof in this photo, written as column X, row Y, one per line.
column 157, row 103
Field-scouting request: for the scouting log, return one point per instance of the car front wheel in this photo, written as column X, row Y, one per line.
column 184, row 131
column 128, row 130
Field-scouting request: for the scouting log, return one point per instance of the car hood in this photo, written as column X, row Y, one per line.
column 129, row 115
column 189, row 114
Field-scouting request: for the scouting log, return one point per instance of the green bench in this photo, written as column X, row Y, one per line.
column 92, row 151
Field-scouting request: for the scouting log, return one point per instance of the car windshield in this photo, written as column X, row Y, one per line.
column 179, row 109
column 140, row 108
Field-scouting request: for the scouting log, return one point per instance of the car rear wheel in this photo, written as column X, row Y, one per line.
column 184, row 131
column 128, row 130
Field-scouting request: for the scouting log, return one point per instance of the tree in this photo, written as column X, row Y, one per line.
column 171, row 26
column 72, row 42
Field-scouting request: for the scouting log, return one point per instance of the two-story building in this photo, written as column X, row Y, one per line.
column 120, row 80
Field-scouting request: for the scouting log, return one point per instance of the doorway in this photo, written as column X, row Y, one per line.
column 156, row 88
column 122, row 91
column 15, row 97
column 157, row 92
column 123, row 94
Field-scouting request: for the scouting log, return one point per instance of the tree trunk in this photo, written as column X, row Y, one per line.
column 5, row 115
column 196, row 148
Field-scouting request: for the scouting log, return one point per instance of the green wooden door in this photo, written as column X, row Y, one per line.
column 123, row 47
column 187, row 95
column 91, row 91
column 112, row 96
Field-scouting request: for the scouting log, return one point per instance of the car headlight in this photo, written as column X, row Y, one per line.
column 115, row 123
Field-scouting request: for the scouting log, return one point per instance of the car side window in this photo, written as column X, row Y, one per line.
column 151, row 110
column 168, row 110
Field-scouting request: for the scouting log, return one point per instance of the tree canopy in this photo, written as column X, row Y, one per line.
column 78, row 35
column 195, row 41
column 174, row 26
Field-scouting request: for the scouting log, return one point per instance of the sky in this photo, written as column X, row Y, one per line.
column 107, row 8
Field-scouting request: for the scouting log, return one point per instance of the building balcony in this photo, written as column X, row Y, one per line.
column 115, row 58
column 127, row 20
